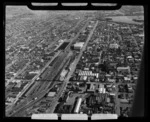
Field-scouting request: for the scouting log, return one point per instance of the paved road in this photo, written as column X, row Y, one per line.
column 85, row 44
column 117, row 103
column 73, row 67
column 39, row 96
column 74, row 39
column 33, row 80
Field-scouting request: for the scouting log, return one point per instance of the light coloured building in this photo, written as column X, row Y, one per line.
column 51, row 94
column 85, row 78
column 123, row 69
column 16, row 81
column 34, row 72
column 63, row 74
column 86, row 68
column 112, row 94
column 78, row 45
column 115, row 45
column 77, row 108
column 130, row 57
column 124, row 101
column 11, row 99
column 100, row 90
column 108, row 100
column 111, row 80
column 127, row 78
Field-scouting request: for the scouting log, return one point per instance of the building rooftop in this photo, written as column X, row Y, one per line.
column 51, row 94
column 79, row 44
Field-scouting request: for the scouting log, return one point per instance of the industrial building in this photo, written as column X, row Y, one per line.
column 123, row 69
column 51, row 94
column 78, row 45
column 96, row 72
column 77, row 107
column 115, row 45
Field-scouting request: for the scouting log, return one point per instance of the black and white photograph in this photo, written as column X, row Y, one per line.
column 72, row 63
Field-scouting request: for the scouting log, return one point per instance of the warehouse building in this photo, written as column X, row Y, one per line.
column 77, row 107
column 114, row 46
column 123, row 69
column 78, row 45
column 51, row 94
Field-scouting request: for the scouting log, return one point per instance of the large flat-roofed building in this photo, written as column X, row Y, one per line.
column 51, row 94
column 115, row 45
column 78, row 45
column 77, row 108
column 123, row 69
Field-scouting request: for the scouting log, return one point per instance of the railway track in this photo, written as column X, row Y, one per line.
column 49, row 77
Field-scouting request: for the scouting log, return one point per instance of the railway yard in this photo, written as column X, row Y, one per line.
column 72, row 64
